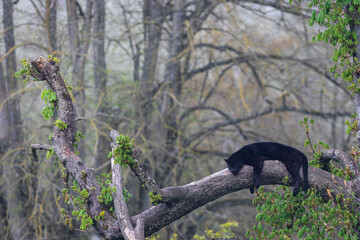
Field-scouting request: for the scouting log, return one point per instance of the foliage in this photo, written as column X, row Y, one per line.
column 155, row 237
column 336, row 17
column 307, row 216
column 225, row 231
column 317, row 161
column 50, row 153
column 154, row 198
column 316, row 148
column 107, row 191
column 78, row 135
column 49, row 97
column 24, row 71
column 106, row 196
column 60, row 124
column 122, row 153
column 80, row 203
column 352, row 127
column 51, row 58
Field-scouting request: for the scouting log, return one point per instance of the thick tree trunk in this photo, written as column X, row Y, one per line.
column 103, row 142
column 50, row 23
column 153, row 18
column 79, row 45
column 4, row 132
column 172, row 95
column 17, row 192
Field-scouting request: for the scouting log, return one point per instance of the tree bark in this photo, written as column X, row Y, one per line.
column 4, row 132
column 153, row 18
column 103, row 142
column 50, row 23
column 79, row 45
column 172, row 94
column 122, row 214
column 17, row 193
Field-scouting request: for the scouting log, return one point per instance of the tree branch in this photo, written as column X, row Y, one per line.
column 121, row 209
column 210, row 188
column 35, row 147
column 340, row 156
column 219, row 125
column 63, row 140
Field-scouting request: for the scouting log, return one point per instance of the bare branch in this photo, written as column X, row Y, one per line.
column 35, row 147
column 340, row 156
column 282, row 6
column 40, row 147
column 242, row 57
column 121, row 209
column 145, row 179
column 219, row 125
column 227, row 117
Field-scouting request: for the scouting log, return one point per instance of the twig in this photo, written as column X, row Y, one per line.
column 35, row 147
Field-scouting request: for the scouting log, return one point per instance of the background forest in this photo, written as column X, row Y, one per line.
column 190, row 81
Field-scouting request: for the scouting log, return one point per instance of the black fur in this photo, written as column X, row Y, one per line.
column 255, row 154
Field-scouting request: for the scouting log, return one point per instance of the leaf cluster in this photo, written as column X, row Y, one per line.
column 308, row 217
column 225, row 231
column 154, row 198
column 49, row 97
column 352, row 127
column 80, row 203
column 24, row 71
column 60, row 124
column 107, row 191
column 106, row 196
column 338, row 17
column 123, row 152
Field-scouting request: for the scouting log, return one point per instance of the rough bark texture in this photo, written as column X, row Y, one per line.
column 181, row 200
